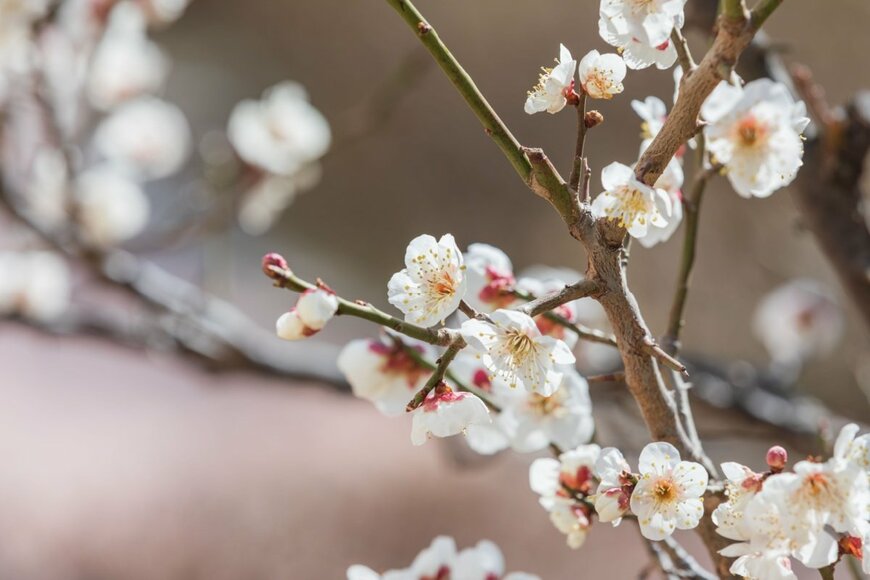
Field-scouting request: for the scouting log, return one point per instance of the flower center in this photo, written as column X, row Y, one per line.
column 444, row 286
column 519, row 344
column 634, row 205
column 642, row 5
column 544, row 406
column 751, row 132
column 665, row 491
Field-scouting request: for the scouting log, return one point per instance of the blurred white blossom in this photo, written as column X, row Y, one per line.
column 34, row 284
column 146, row 137
column 798, row 320
column 125, row 64
column 280, row 133
column 441, row 560
column 111, row 207
column 384, row 372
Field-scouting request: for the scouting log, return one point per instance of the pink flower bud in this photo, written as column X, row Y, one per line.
column 777, row 457
column 273, row 259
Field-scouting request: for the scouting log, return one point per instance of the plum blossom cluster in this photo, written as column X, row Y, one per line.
column 505, row 379
column 817, row 513
column 665, row 495
column 442, row 561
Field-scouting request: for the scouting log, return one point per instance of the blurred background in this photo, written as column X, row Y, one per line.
column 121, row 464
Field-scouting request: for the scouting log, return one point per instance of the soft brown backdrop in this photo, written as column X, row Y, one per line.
column 124, row 466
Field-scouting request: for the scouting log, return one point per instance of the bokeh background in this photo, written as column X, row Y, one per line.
column 122, row 465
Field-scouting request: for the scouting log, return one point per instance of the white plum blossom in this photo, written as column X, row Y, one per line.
column 798, row 320
column 851, row 449
column 616, row 482
column 313, row 310
column 147, row 137
column 382, row 371
column 17, row 52
column 554, row 87
column 653, row 113
column 616, row 31
column 529, row 422
column 601, row 75
column 741, row 486
column 671, row 182
column 635, row 205
column 558, row 482
column 282, row 132
column 755, row 133
column 34, row 285
column 126, row 64
column 111, row 207
column 490, row 277
column 445, row 413
column 441, row 560
column 649, row 21
column 537, row 287
column 433, row 282
column 512, row 347
column 668, row 493
column 164, row 11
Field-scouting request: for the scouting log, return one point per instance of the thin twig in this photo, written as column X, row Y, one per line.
column 569, row 293
column 577, row 169
column 606, row 378
column 285, row 278
column 438, row 375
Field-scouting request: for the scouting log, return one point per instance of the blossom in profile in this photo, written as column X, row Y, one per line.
column 671, row 182
column 385, row 372
column 634, row 205
column 433, row 282
column 616, row 484
column 797, row 321
column 309, row 316
column 555, row 86
column 756, row 134
column 601, row 75
column 652, row 112
column 147, row 137
column 490, row 275
column 280, row 133
column 111, row 207
column 559, row 482
column 445, row 413
column 668, row 493
column 512, row 347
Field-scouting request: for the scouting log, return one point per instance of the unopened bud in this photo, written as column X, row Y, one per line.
column 276, row 260
column 777, row 457
column 592, row 119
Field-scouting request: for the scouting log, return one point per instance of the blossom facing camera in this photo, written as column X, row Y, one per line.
column 633, row 204
column 280, row 133
column 668, row 493
column 433, row 282
column 512, row 347
column 445, row 413
column 756, row 133
column 601, row 75
column 555, row 86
